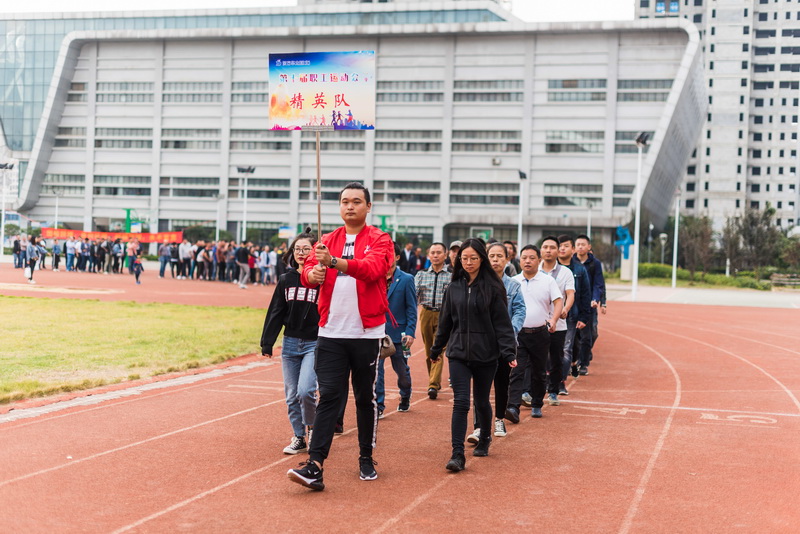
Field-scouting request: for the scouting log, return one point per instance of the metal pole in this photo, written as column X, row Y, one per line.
column 589, row 221
column 3, row 217
column 319, row 193
column 522, row 177
column 244, row 222
column 216, row 234
column 637, row 227
column 394, row 220
column 55, row 222
column 675, row 243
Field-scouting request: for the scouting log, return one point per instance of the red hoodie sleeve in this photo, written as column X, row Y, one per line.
column 376, row 261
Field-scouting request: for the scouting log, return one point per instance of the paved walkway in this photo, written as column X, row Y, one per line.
column 718, row 297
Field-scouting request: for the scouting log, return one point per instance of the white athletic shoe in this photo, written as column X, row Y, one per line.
column 296, row 446
column 475, row 437
column 499, row 428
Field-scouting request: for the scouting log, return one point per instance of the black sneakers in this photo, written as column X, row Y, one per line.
column 482, row 449
column 562, row 389
column 457, row 462
column 432, row 393
column 338, row 429
column 405, row 404
column 297, row 445
column 536, row 413
column 512, row 414
column 583, row 371
column 367, row 468
column 574, row 371
column 308, row 475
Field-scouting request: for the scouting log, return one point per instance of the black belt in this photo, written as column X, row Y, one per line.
column 533, row 330
column 430, row 308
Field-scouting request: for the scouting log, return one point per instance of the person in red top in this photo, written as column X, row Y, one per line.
column 349, row 265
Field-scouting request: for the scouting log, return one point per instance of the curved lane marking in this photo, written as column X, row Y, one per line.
column 648, row 471
column 745, row 360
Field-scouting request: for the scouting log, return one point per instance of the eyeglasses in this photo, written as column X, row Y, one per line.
column 302, row 250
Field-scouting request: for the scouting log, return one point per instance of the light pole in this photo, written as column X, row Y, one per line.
column 396, row 201
column 589, row 220
column 5, row 167
column 641, row 142
column 245, row 171
column 662, row 237
column 58, row 193
column 220, row 197
column 675, row 241
column 650, row 242
column 522, row 178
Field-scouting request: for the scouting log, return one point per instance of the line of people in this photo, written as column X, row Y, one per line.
column 346, row 305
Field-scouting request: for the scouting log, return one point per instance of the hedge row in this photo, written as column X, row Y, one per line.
column 659, row 270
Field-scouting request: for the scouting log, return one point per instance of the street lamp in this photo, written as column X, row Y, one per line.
column 220, row 197
column 589, row 220
column 675, row 240
column 522, row 178
column 246, row 171
column 650, row 242
column 641, row 142
column 58, row 193
column 662, row 237
column 5, row 167
column 396, row 201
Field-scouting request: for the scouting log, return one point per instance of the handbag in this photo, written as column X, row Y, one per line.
column 28, row 273
column 387, row 347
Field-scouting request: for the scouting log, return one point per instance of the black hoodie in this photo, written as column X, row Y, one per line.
column 293, row 306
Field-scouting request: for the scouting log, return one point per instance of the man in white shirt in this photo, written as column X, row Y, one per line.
column 566, row 284
column 543, row 306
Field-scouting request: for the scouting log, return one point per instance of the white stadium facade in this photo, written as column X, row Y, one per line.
column 157, row 112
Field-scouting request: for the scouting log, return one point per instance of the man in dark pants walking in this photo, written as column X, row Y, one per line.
column 543, row 305
column 350, row 266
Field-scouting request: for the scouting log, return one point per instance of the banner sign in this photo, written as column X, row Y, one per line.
column 162, row 237
column 322, row 91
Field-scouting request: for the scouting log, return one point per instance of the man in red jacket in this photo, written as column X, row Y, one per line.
column 350, row 265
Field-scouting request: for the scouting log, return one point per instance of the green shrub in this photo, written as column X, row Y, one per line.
column 659, row 270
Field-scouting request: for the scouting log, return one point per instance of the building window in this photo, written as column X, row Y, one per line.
column 689, row 203
column 690, row 187
column 697, row 18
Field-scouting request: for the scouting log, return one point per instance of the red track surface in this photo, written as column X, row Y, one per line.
column 687, row 422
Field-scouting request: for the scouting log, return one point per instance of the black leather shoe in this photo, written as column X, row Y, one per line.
column 432, row 393
column 536, row 412
column 482, row 448
column 512, row 414
column 457, row 462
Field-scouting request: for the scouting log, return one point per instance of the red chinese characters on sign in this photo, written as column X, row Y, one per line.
column 340, row 101
column 296, row 101
column 319, row 101
column 161, row 237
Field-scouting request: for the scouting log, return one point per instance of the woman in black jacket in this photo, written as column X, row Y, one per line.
column 294, row 307
column 475, row 326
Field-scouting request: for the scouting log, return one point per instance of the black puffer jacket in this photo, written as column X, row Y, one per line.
column 294, row 307
column 471, row 331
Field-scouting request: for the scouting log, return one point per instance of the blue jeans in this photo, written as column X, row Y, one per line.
column 400, row 366
column 70, row 262
column 299, row 382
column 17, row 260
column 163, row 260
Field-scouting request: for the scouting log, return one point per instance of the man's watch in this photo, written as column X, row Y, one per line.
column 334, row 261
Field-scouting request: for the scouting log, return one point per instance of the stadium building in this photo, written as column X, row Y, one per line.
column 157, row 112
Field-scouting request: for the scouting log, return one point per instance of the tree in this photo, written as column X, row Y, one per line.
column 791, row 253
column 760, row 238
column 731, row 242
column 696, row 238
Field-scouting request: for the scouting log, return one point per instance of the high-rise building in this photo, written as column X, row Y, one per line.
column 746, row 156
column 156, row 112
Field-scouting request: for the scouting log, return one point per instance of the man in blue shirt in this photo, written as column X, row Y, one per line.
column 402, row 297
column 579, row 315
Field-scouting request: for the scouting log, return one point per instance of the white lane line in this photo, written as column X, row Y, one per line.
column 264, row 394
column 597, row 416
column 642, row 488
column 230, row 483
column 735, row 424
column 170, row 386
column 248, row 386
column 745, row 360
column 686, row 408
column 136, row 444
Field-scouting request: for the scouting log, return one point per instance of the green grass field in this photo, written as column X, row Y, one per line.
column 50, row 346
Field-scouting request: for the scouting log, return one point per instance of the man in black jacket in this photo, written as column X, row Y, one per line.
column 243, row 261
column 580, row 314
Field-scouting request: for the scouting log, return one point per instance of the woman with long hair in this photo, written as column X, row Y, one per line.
column 475, row 326
column 294, row 308
column 498, row 259
column 32, row 255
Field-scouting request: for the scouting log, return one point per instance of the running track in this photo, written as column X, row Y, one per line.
column 687, row 422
